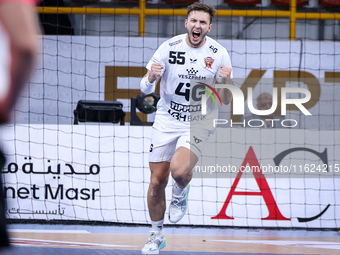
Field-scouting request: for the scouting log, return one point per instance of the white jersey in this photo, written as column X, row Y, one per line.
column 183, row 67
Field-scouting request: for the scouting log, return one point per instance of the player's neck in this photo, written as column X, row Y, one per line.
column 194, row 46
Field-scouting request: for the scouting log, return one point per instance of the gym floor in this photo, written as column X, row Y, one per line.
column 31, row 239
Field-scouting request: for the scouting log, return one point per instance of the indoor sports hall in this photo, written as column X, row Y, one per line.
column 77, row 172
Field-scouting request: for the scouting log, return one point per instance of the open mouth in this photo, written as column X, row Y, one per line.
column 196, row 34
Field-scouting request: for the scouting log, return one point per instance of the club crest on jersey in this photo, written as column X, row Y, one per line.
column 208, row 62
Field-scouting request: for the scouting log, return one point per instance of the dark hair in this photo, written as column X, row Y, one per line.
column 202, row 7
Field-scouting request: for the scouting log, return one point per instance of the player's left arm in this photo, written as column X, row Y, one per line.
column 225, row 78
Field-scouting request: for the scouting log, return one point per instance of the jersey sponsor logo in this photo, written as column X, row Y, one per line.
column 183, row 89
column 184, row 108
column 191, row 75
column 175, row 42
column 213, row 48
column 183, row 117
column 192, row 71
column 193, row 61
column 208, row 62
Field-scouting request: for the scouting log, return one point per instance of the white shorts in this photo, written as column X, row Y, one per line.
column 164, row 144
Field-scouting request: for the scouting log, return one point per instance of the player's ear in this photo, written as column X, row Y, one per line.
column 185, row 22
column 210, row 26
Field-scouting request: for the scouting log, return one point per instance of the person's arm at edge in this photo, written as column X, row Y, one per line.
column 20, row 22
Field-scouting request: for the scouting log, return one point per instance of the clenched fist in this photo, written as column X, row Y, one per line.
column 155, row 72
column 225, row 72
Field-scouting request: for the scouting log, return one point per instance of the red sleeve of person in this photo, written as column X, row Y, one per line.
column 32, row 2
column 9, row 90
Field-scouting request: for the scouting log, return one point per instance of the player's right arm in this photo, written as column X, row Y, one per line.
column 155, row 67
column 155, row 74
column 149, row 81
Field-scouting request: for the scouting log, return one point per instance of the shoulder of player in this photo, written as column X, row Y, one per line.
column 215, row 46
column 176, row 40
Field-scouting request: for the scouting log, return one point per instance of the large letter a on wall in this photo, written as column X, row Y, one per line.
column 265, row 192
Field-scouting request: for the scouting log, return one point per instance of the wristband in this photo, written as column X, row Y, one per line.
column 146, row 87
